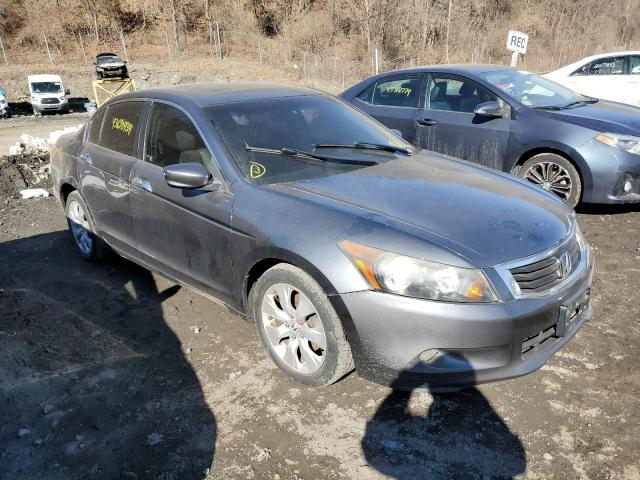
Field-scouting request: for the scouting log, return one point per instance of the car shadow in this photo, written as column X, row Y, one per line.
column 413, row 435
column 94, row 382
column 603, row 209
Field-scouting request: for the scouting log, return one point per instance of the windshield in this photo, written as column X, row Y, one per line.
column 110, row 59
column 256, row 132
column 531, row 90
column 46, row 87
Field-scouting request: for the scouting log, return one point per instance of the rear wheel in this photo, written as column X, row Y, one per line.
column 555, row 174
column 89, row 245
column 299, row 327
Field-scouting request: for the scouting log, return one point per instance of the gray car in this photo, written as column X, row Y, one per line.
column 346, row 245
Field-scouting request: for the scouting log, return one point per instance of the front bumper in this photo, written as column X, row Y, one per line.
column 411, row 343
column 610, row 168
column 51, row 107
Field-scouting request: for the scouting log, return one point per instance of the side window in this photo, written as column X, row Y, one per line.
column 172, row 138
column 95, row 123
column 456, row 94
column 121, row 123
column 603, row 66
column 394, row 92
column 634, row 65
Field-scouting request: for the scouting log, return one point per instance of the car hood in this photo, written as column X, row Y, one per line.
column 603, row 116
column 110, row 64
column 486, row 217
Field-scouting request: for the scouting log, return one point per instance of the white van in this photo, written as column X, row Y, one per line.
column 47, row 94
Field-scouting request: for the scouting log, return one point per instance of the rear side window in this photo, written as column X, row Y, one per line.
column 121, row 124
column 94, row 127
column 634, row 65
column 603, row 66
column 173, row 138
column 394, row 92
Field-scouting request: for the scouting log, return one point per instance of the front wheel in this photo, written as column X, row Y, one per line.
column 299, row 327
column 555, row 174
column 89, row 245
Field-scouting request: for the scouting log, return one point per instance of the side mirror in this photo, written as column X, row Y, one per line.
column 396, row 132
column 67, row 91
column 186, row 175
column 491, row 110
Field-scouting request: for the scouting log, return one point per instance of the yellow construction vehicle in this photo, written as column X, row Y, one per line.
column 108, row 88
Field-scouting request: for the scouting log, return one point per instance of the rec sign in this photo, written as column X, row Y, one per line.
column 517, row 42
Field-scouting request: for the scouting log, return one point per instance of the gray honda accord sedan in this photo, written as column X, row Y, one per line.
column 345, row 245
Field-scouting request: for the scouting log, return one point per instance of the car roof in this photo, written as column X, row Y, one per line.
column 106, row 54
column 206, row 94
column 44, row 77
column 452, row 68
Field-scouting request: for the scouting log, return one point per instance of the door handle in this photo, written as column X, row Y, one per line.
column 143, row 183
column 86, row 158
column 427, row 122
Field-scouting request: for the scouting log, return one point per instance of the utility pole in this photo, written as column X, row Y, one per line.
column 124, row 45
column 47, row 45
column 84, row 54
column 446, row 45
column 6, row 60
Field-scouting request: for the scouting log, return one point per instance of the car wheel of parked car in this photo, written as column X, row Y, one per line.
column 555, row 174
column 299, row 327
column 87, row 243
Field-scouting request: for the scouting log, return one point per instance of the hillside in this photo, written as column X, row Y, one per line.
column 329, row 41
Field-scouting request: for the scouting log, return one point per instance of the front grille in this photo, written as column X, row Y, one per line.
column 546, row 273
column 49, row 101
column 538, row 340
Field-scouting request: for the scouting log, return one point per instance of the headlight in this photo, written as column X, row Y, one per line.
column 34, row 98
column 62, row 98
column 628, row 143
column 414, row 277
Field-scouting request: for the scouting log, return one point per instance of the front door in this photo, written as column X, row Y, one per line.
column 393, row 101
column 184, row 233
column 105, row 161
column 448, row 125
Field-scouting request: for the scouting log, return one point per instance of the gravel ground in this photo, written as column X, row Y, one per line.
column 109, row 371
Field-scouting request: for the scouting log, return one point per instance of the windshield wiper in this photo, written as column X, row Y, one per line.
column 547, row 107
column 580, row 103
column 366, row 146
column 292, row 152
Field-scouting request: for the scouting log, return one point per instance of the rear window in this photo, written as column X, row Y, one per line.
column 120, row 128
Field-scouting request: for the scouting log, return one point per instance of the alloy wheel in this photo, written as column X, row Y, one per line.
column 551, row 177
column 293, row 328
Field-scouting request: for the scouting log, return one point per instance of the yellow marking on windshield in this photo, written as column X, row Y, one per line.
column 256, row 170
column 122, row 125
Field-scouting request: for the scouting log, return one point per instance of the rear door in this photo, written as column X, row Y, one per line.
column 448, row 125
column 393, row 101
column 106, row 159
column 182, row 232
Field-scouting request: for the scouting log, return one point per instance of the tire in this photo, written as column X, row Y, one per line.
column 294, row 344
column 87, row 243
column 99, row 75
column 565, row 183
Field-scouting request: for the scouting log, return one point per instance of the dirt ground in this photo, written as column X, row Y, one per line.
column 108, row 371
